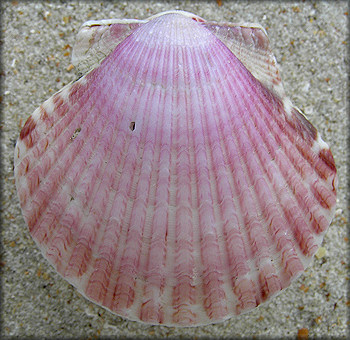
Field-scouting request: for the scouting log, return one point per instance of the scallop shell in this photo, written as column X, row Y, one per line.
column 175, row 183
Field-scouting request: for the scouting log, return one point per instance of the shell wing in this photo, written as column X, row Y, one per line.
column 97, row 39
column 171, row 186
column 250, row 44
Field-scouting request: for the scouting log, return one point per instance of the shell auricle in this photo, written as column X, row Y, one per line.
column 174, row 182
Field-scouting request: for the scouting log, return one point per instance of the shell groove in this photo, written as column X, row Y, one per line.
column 174, row 183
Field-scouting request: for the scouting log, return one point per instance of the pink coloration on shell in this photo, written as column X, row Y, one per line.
column 175, row 183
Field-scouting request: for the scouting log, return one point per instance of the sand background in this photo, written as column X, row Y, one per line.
column 310, row 41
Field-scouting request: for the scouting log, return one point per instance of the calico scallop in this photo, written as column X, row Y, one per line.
column 175, row 183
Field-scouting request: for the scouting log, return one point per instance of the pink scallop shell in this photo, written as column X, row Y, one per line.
column 175, row 183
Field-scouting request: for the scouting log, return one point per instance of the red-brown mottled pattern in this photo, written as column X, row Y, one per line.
column 302, row 126
column 43, row 115
column 26, row 132
column 327, row 157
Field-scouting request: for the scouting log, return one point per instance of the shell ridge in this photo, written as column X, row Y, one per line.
column 151, row 309
column 97, row 201
column 110, row 65
column 123, row 290
column 33, row 152
column 294, row 154
column 170, row 287
column 37, row 168
column 154, row 271
column 304, row 169
column 145, row 203
column 117, row 162
column 181, row 81
column 281, row 163
column 236, row 255
column 72, row 144
column 115, row 222
column 186, row 308
column 249, row 218
column 144, row 129
column 262, row 189
column 219, row 170
column 269, row 209
column 304, row 204
column 225, row 47
column 215, row 291
column 242, row 269
column 127, row 262
column 202, row 190
column 253, row 168
column 50, row 109
column 92, row 172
